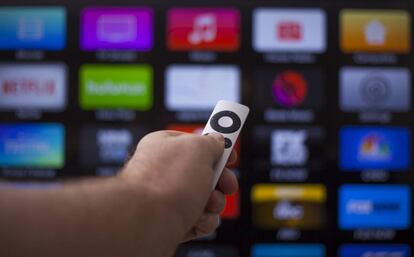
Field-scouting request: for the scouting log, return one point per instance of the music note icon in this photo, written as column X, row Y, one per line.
column 204, row 29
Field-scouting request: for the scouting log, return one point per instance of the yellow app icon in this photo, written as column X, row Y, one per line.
column 386, row 31
column 278, row 206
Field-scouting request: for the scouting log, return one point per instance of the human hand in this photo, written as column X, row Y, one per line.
column 178, row 170
column 210, row 220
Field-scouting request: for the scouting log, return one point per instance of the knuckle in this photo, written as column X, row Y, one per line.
column 209, row 226
column 222, row 200
column 199, row 142
column 192, row 145
column 196, row 145
column 219, row 198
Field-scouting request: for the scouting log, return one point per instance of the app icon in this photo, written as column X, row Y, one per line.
column 188, row 128
column 288, row 206
column 232, row 208
column 375, row 31
column 288, row 250
column 374, row 148
column 214, row 29
column 287, row 89
column 204, row 29
column 42, row 28
column 289, row 30
column 374, row 206
column 116, row 86
column 363, row 250
column 288, row 147
column 117, row 29
column 383, row 89
column 107, row 145
column 33, row 86
column 39, row 145
column 113, row 144
column 200, row 87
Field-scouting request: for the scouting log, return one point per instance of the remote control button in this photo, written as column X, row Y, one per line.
column 227, row 143
column 225, row 121
column 224, row 126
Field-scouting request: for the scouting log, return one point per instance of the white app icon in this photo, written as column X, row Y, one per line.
column 288, row 147
column 116, row 28
column 374, row 89
column 285, row 210
column 288, row 30
column 375, row 33
column 200, row 87
column 30, row 28
column 33, row 86
column 113, row 145
column 359, row 206
column 204, row 29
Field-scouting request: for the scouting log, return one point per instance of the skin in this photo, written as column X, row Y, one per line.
column 161, row 198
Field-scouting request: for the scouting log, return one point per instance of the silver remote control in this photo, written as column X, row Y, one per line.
column 227, row 119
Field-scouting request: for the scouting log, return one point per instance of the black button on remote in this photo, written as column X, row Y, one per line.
column 227, row 143
column 236, row 122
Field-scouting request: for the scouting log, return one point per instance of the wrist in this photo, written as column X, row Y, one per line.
column 162, row 205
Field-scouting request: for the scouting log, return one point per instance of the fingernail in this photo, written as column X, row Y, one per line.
column 217, row 136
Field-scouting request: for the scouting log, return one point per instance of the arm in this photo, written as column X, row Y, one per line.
column 159, row 200
column 91, row 218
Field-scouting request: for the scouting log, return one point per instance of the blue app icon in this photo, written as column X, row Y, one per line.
column 36, row 28
column 374, row 207
column 288, row 250
column 374, row 148
column 39, row 145
column 363, row 250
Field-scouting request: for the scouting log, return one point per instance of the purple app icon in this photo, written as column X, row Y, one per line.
column 116, row 29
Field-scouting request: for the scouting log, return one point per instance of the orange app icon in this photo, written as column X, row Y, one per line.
column 375, row 31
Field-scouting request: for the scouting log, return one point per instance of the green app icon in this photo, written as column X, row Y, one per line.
column 116, row 86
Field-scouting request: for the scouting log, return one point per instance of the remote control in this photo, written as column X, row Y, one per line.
column 227, row 119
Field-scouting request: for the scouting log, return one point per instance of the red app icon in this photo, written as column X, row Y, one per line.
column 203, row 29
column 289, row 31
column 188, row 128
column 290, row 89
column 232, row 209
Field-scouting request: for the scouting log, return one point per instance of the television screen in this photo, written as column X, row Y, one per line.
column 325, row 157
